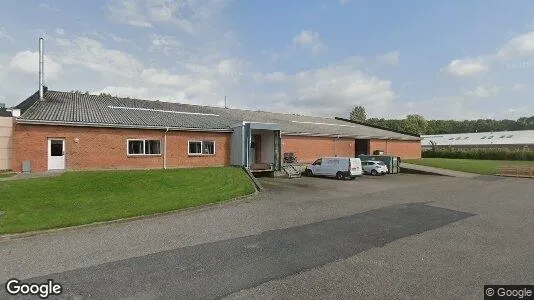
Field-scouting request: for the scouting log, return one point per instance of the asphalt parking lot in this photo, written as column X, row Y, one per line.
column 396, row 236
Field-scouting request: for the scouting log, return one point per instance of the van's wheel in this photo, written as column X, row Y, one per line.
column 374, row 172
column 309, row 173
column 339, row 176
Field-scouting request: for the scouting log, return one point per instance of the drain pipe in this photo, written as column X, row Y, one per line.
column 165, row 148
column 335, row 143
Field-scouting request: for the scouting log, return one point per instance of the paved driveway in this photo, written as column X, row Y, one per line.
column 399, row 236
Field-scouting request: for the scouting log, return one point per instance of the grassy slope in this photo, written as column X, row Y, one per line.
column 76, row 198
column 487, row 167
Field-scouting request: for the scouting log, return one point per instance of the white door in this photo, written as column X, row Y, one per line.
column 56, row 154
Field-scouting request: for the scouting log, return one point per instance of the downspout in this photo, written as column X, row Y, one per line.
column 335, row 148
column 165, row 148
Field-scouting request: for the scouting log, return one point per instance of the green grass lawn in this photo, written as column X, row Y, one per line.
column 76, row 198
column 6, row 174
column 485, row 167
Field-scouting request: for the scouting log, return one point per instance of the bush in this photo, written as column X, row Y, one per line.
column 488, row 154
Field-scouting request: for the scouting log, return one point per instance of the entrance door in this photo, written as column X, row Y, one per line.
column 362, row 147
column 257, row 148
column 56, row 154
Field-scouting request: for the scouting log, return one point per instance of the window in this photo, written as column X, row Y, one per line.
column 483, row 137
column 144, row 147
column 458, row 138
column 318, row 162
column 152, row 147
column 490, row 137
column 502, row 136
column 465, row 138
column 56, row 147
column 451, row 139
column 201, row 147
column 509, row 136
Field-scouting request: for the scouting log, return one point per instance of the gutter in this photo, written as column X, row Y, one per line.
column 106, row 125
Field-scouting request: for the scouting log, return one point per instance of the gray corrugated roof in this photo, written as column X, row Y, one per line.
column 4, row 112
column 298, row 124
column 95, row 109
column 518, row 137
column 98, row 110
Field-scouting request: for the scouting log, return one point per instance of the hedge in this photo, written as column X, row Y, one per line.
column 480, row 154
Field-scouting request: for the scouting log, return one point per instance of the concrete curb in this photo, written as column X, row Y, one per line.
column 257, row 184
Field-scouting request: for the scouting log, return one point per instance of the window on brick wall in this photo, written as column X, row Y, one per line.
column 144, row 147
column 201, row 147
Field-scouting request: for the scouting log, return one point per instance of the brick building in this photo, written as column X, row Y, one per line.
column 83, row 132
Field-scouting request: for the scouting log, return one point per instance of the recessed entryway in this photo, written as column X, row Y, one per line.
column 56, row 154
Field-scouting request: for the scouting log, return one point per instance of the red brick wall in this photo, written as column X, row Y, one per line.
column 309, row 148
column 404, row 149
column 105, row 148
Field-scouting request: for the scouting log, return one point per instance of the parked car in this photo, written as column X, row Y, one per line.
column 339, row 167
column 374, row 167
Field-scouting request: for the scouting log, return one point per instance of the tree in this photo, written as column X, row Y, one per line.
column 415, row 124
column 358, row 114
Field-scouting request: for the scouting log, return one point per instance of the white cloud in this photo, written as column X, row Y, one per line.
column 47, row 6
column 310, row 40
column 163, row 77
column 118, row 39
column 406, row 84
column 4, row 35
column 391, row 58
column 330, row 90
column 187, row 15
column 164, row 43
column 231, row 68
column 28, row 62
column 467, row 67
column 124, row 91
column 519, row 46
column 517, row 53
column 93, row 55
column 483, row 92
column 518, row 87
column 343, row 2
column 128, row 12
column 59, row 31
column 274, row 77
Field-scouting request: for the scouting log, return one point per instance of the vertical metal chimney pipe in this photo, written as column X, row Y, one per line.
column 41, row 69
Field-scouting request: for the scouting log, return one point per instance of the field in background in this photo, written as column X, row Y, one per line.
column 485, row 167
column 76, row 198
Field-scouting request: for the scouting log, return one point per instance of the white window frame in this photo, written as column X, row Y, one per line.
column 201, row 147
column 144, row 147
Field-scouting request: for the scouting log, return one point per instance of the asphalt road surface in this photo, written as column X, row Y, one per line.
column 403, row 236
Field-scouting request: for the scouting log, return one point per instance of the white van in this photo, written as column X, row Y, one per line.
column 339, row 167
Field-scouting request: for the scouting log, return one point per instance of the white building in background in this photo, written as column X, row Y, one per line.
column 520, row 139
column 6, row 134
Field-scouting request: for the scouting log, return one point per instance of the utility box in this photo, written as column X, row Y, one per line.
column 26, row 166
column 392, row 162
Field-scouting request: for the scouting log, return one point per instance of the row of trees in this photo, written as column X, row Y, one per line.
column 417, row 124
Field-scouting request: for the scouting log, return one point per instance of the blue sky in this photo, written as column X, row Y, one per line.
column 441, row 59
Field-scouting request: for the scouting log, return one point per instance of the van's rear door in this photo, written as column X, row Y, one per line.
column 355, row 166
